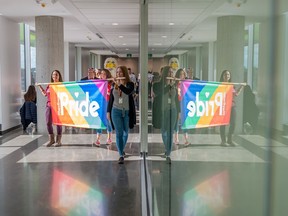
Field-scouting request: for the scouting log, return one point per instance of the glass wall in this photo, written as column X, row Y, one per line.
column 33, row 56
column 207, row 170
column 28, row 56
column 23, row 57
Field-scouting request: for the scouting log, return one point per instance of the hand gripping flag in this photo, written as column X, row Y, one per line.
column 205, row 104
column 79, row 104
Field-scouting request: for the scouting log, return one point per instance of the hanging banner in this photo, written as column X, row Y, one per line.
column 205, row 104
column 79, row 104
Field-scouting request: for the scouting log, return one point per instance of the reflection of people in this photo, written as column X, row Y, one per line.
column 28, row 111
column 123, row 190
column 250, row 109
column 166, row 108
column 105, row 74
column 226, row 77
column 55, row 77
column 121, row 109
column 181, row 75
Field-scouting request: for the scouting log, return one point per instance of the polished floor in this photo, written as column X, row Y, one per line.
column 204, row 179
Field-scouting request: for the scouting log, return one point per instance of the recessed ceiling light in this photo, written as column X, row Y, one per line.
column 164, row 36
column 120, row 36
column 171, row 23
column 115, row 24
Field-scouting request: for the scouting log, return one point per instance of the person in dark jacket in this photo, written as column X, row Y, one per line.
column 28, row 111
column 227, row 78
column 166, row 107
column 250, row 109
column 121, row 109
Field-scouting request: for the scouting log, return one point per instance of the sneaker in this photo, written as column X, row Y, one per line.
column 109, row 142
column 224, row 144
column 97, row 143
column 231, row 143
column 186, row 143
column 121, row 160
column 168, row 160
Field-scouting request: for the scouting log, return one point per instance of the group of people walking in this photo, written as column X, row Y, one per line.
column 121, row 113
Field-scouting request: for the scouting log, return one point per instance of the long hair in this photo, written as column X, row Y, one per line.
column 30, row 95
column 107, row 72
column 178, row 74
column 222, row 76
column 165, row 73
column 125, row 72
column 60, row 76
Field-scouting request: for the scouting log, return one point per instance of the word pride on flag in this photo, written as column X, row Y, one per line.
column 205, row 104
column 79, row 104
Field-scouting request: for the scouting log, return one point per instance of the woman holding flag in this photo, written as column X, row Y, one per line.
column 226, row 77
column 106, row 74
column 167, row 109
column 180, row 74
column 55, row 77
column 121, row 109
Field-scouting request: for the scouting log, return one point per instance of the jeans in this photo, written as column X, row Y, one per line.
column 109, row 128
column 48, row 115
column 120, row 120
column 169, row 120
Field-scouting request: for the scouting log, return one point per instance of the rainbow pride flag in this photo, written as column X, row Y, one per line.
column 205, row 104
column 72, row 197
column 79, row 104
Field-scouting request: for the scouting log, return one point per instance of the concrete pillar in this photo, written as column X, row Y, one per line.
column 49, row 56
column 230, row 55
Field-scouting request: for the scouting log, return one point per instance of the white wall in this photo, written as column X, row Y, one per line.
column 10, row 74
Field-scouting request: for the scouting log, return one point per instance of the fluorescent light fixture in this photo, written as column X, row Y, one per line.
column 171, row 23
column 115, row 24
column 126, row 49
column 164, row 36
column 124, row 44
column 120, row 36
column 157, row 44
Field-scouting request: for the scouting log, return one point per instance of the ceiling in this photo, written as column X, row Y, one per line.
column 85, row 21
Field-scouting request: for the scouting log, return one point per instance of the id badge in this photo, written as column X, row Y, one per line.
column 169, row 100
column 120, row 100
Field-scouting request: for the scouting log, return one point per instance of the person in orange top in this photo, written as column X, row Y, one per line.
column 180, row 74
column 105, row 74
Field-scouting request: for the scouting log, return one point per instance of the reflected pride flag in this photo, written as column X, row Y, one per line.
column 79, row 104
column 205, row 104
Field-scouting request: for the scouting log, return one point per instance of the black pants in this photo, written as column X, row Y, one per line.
column 231, row 126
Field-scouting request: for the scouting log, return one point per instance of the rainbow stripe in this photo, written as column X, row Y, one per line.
column 210, row 197
column 205, row 104
column 73, row 197
column 79, row 104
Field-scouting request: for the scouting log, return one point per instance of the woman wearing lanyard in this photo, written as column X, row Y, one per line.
column 121, row 109
column 168, row 108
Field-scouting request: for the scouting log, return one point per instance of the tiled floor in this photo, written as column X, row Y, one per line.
column 81, row 179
